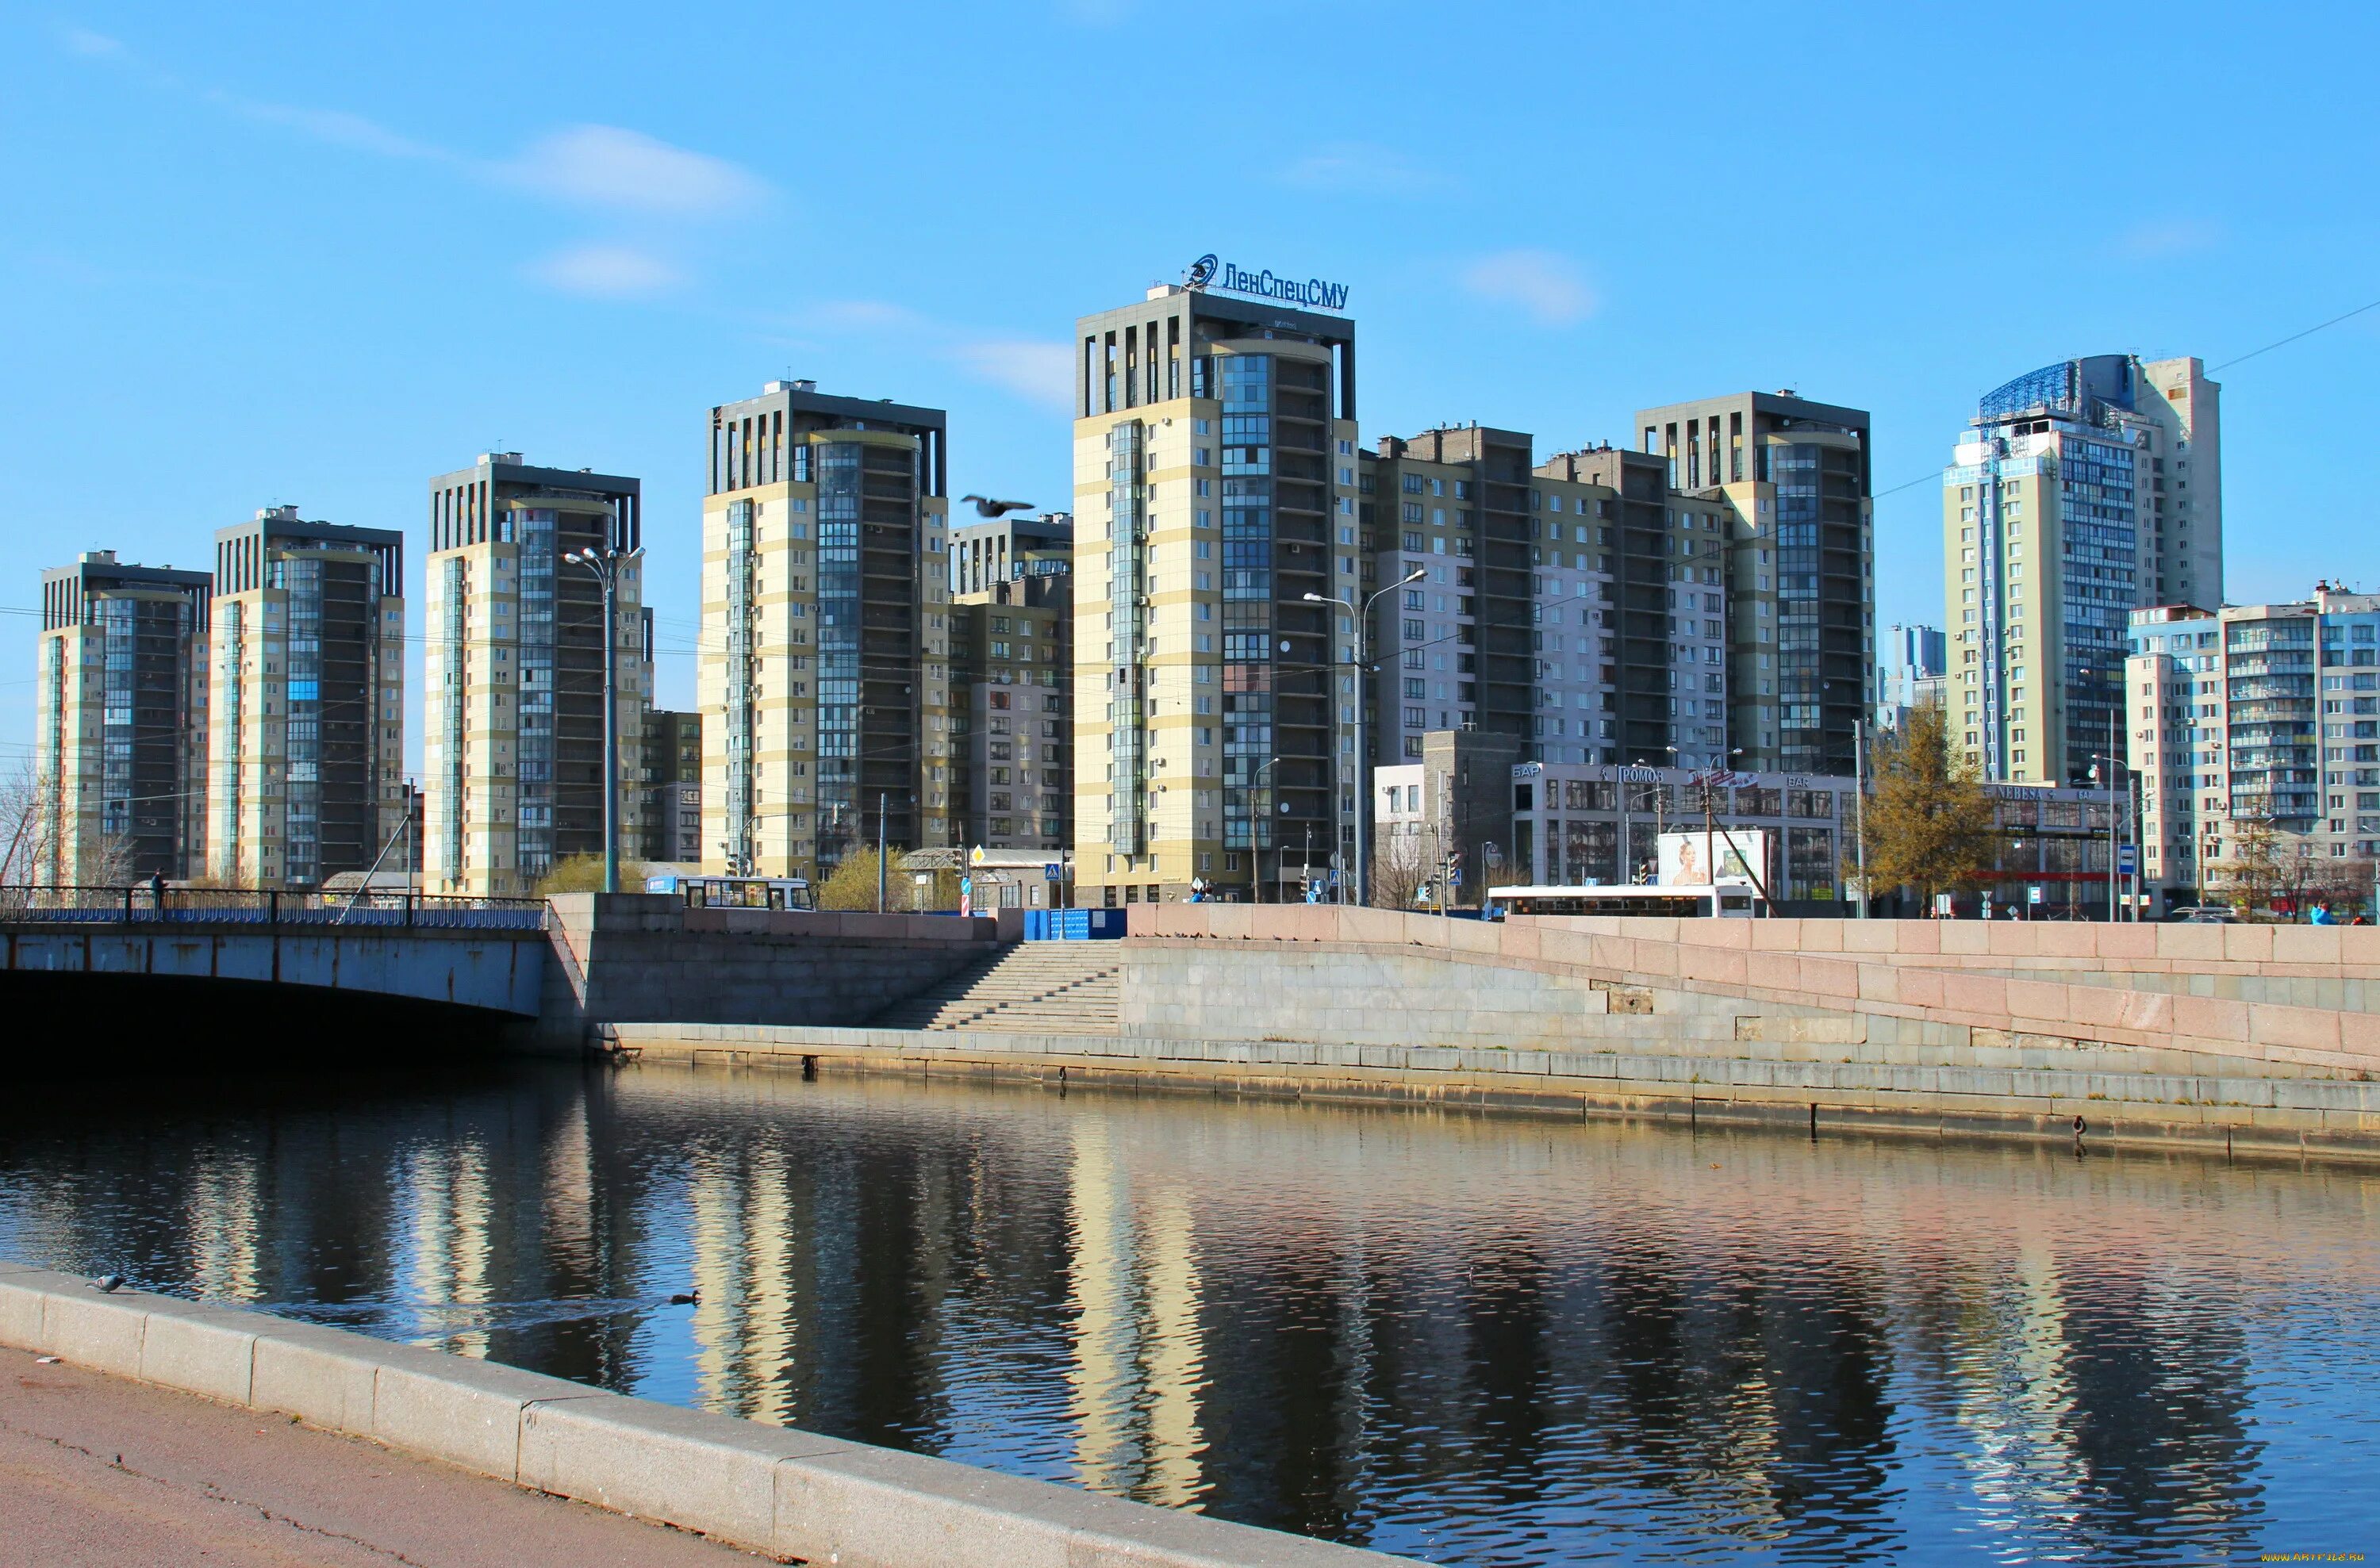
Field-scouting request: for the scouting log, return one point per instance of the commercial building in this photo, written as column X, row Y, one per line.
column 669, row 779
column 2081, row 492
column 824, row 680
column 120, row 737
column 306, row 708
column 1011, row 690
column 1215, row 490
column 2254, row 735
column 1006, row 549
column 1537, row 823
column 1800, row 572
column 513, row 753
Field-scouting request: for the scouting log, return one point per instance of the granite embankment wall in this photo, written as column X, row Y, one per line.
column 633, row 958
column 2260, row 1039
column 794, row 1495
column 2289, row 1000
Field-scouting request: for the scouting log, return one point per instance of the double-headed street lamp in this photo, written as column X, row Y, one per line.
column 1363, row 783
column 606, row 564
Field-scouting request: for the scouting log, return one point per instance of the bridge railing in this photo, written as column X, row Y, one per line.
column 143, row 905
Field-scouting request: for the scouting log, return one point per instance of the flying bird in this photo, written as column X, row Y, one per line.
column 985, row 507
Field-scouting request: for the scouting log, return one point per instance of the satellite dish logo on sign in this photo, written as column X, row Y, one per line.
column 1202, row 271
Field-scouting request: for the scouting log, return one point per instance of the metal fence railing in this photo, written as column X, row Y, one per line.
column 143, row 905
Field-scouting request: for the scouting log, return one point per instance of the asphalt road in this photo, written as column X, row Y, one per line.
column 98, row 1471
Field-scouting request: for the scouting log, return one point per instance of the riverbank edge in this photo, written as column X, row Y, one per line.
column 794, row 1495
column 2268, row 1119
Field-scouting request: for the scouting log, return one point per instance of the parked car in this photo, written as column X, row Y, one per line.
column 2205, row 914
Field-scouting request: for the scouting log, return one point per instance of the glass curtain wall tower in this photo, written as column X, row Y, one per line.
column 1215, row 489
column 2081, row 492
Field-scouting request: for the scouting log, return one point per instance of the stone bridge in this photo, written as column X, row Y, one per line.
column 480, row 954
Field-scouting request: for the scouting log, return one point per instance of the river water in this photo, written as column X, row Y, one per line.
column 1463, row 1339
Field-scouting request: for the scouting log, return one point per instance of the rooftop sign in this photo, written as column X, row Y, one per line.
column 1311, row 293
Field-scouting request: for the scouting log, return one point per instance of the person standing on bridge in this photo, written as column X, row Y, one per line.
column 157, row 888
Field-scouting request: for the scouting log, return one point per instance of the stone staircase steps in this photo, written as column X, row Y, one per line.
column 1032, row 988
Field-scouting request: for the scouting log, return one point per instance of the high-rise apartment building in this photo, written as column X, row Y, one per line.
column 1549, row 606
column 1006, row 550
column 121, row 740
column 513, row 754
column 669, row 777
column 1215, row 490
column 824, row 683
column 2082, row 491
column 306, row 732
column 1452, row 650
column 1645, row 578
column 1801, row 574
column 1012, row 689
column 2253, row 720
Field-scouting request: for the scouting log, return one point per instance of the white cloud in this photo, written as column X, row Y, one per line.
column 1547, row 285
column 607, row 166
column 1043, row 372
column 334, row 126
column 1360, row 168
column 82, row 41
column 606, row 271
column 2174, row 237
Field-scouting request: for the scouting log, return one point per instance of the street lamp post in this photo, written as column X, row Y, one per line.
column 2115, row 819
column 1256, row 851
column 1363, row 783
column 1859, row 806
column 605, row 564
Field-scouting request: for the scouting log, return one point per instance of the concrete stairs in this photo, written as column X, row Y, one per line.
column 1031, row 988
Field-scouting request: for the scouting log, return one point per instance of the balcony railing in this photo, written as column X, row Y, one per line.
column 139, row 905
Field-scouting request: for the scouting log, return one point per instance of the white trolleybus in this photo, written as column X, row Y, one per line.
column 1725, row 900
column 734, row 892
column 1705, row 873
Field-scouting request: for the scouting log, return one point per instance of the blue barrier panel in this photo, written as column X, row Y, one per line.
column 1073, row 926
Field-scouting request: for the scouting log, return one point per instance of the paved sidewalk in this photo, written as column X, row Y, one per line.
column 97, row 1471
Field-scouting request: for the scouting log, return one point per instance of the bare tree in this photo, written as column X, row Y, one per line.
column 1401, row 866
column 112, row 865
column 26, row 831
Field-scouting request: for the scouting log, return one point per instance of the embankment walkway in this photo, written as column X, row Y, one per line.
column 103, row 1471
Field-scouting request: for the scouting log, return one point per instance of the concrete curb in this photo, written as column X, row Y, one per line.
column 789, row 1493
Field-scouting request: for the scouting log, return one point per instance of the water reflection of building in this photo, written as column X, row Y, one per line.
column 1341, row 1320
column 222, row 1211
column 1137, row 1366
column 445, row 1247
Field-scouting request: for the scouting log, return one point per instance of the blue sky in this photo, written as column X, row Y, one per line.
column 317, row 253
